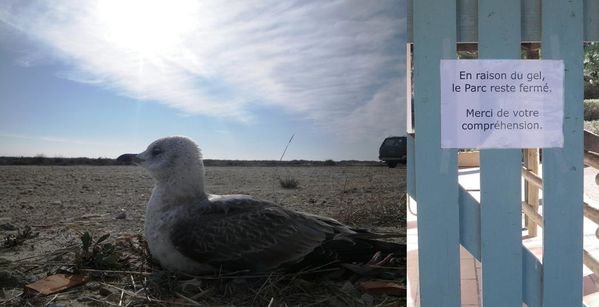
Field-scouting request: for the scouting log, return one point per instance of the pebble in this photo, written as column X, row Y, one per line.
column 121, row 216
column 56, row 203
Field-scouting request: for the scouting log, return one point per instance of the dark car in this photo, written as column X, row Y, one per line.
column 393, row 150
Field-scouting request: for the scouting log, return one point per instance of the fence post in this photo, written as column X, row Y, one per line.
column 562, row 167
column 501, row 205
column 438, row 210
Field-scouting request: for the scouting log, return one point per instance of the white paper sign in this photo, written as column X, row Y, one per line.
column 502, row 103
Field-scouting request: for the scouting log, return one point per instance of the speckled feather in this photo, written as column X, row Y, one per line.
column 246, row 233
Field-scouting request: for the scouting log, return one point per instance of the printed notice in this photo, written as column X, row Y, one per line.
column 502, row 103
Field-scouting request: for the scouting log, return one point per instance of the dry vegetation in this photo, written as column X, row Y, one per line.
column 89, row 220
column 591, row 115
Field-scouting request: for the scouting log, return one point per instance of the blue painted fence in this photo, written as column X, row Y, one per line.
column 491, row 230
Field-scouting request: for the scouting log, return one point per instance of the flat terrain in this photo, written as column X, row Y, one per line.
column 59, row 203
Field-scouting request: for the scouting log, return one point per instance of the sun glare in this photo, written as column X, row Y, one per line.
column 153, row 28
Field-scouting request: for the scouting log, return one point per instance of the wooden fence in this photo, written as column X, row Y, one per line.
column 590, row 207
column 491, row 230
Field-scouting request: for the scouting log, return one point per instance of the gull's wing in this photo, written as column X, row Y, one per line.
column 238, row 233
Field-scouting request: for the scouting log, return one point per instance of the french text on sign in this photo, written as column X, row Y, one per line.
column 502, row 103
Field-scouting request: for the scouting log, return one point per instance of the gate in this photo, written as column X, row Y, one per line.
column 491, row 230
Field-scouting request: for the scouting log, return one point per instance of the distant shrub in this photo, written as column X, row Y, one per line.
column 591, row 109
column 43, row 160
column 289, row 183
column 39, row 159
column 591, row 90
column 592, row 126
column 329, row 162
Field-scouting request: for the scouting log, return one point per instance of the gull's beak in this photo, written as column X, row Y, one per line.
column 129, row 159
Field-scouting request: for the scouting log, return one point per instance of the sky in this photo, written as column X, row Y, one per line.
column 101, row 78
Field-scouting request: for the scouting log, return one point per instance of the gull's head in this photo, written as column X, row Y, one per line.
column 169, row 158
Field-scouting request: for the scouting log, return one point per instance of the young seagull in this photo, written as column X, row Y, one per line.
column 188, row 230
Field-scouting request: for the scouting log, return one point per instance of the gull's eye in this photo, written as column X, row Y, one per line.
column 156, row 151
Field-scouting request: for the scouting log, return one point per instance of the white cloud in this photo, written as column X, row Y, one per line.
column 380, row 117
column 338, row 63
column 79, row 77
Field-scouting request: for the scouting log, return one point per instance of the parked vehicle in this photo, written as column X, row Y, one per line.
column 393, row 150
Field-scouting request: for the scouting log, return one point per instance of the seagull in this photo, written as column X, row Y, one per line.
column 191, row 231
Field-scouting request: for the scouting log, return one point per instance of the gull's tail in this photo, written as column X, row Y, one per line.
column 350, row 249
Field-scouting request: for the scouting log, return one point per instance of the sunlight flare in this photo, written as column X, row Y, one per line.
column 153, row 28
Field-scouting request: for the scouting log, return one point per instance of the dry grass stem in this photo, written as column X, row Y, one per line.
column 117, row 272
column 194, row 303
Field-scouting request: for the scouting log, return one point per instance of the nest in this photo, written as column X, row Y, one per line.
column 135, row 280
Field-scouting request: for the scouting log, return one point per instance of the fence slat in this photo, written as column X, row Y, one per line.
column 438, row 211
column 591, row 20
column 531, row 20
column 499, row 38
column 469, row 223
column 532, row 269
column 532, row 279
column 562, row 167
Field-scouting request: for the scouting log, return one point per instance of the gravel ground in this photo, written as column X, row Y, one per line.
column 59, row 203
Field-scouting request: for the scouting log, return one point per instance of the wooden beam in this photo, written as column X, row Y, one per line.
column 591, row 159
column 532, row 213
column 531, row 196
column 590, row 210
column 591, row 262
column 500, row 181
column 591, row 141
column 532, row 178
column 438, row 213
column 562, row 167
